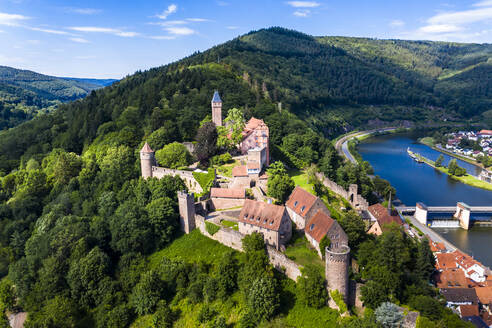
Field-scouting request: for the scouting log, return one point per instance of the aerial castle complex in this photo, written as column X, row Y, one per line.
column 303, row 211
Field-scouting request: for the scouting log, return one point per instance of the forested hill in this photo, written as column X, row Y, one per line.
column 24, row 93
column 331, row 83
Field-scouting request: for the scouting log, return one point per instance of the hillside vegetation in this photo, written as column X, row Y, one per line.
column 24, row 93
column 86, row 242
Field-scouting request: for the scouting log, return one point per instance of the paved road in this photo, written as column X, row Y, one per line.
column 342, row 144
column 432, row 234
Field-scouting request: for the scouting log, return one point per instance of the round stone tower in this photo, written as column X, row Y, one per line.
column 147, row 160
column 337, row 265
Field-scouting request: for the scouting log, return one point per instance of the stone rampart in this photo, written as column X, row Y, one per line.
column 283, row 264
column 233, row 239
column 356, row 200
column 186, row 176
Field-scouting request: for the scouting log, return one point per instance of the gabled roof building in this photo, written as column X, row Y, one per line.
column 272, row 221
column 302, row 205
column 321, row 225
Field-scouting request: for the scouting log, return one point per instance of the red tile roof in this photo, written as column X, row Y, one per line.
column 469, row 310
column 146, row 149
column 436, row 247
column 484, row 294
column 239, row 171
column 300, row 201
column 228, row 193
column 382, row 216
column 319, row 225
column 262, row 214
column 446, row 261
column 487, row 132
column 450, row 278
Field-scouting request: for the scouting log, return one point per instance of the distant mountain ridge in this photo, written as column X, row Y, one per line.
column 24, row 93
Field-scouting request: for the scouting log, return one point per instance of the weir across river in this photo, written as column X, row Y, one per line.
column 460, row 215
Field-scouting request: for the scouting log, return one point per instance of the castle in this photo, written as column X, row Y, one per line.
column 273, row 222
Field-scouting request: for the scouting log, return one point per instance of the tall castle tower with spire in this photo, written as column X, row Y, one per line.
column 147, row 160
column 217, row 109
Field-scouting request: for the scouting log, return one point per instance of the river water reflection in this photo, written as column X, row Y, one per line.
column 416, row 182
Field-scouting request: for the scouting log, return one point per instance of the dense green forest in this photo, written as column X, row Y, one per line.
column 84, row 241
column 23, row 94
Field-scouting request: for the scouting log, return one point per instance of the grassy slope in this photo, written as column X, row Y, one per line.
column 196, row 247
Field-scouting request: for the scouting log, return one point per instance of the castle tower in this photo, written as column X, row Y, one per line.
column 217, row 109
column 186, row 204
column 147, row 160
column 337, row 265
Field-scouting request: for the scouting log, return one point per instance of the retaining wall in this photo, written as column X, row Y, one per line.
column 233, row 239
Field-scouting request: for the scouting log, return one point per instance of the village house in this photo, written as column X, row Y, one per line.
column 380, row 218
column 459, row 296
column 472, row 268
column 272, row 221
column 484, row 295
column 302, row 205
column 321, row 225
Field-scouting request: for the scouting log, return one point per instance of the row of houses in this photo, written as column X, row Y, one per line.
column 465, row 284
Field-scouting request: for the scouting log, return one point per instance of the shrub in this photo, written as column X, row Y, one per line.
column 388, row 315
column 338, row 298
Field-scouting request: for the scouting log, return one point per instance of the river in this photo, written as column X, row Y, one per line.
column 416, row 182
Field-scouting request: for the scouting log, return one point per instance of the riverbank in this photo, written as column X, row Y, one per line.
column 466, row 179
column 429, row 142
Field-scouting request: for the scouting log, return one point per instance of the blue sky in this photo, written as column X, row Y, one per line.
column 114, row 38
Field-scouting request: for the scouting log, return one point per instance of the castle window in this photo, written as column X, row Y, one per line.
column 302, row 208
column 265, row 221
column 271, row 222
column 311, row 227
column 295, row 203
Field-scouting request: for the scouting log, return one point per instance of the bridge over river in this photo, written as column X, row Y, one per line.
column 460, row 215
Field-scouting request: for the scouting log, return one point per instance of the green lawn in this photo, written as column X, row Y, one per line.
column 301, row 179
column 226, row 169
column 300, row 251
column 230, row 224
column 191, row 248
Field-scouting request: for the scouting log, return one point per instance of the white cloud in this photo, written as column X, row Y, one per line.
column 462, row 17
column 232, row 27
column 94, row 29
column 11, row 19
column 79, row 40
column 440, row 28
column 171, row 23
column 171, row 9
column 180, row 30
column 469, row 25
column 84, row 11
column 50, row 31
column 302, row 13
column 397, row 23
column 303, row 4
column 162, row 37
column 198, row 20
column 485, row 3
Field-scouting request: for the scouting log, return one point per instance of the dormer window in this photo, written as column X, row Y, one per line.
column 302, row 208
column 245, row 216
column 258, row 219
column 271, row 222
column 311, row 227
column 295, row 203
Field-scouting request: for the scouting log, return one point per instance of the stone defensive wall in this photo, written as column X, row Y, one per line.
column 356, row 200
column 186, row 176
column 233, row 239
